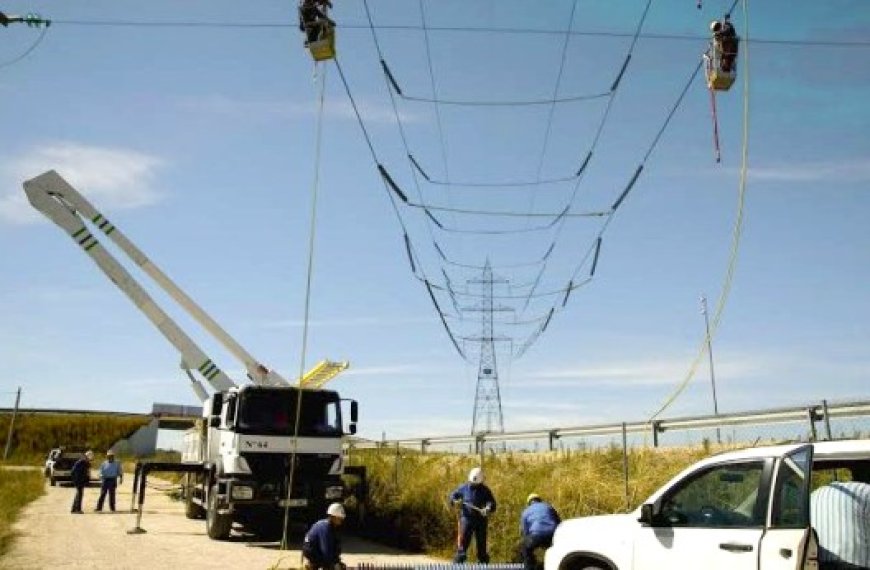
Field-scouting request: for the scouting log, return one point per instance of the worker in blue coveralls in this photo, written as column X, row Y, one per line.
column 110, row 475
column 321, row 548
column 537, row 525
column 476, row 503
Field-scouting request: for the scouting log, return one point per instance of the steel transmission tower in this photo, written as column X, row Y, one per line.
column 488, row 415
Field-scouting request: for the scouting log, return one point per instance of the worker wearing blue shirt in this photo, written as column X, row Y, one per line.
column 110, row 475
column 537, row 525
column 476, row 504
column 322, row 545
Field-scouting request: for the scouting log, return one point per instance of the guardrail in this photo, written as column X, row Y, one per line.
column 811, row 413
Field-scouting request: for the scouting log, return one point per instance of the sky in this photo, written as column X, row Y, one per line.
column 199, row 144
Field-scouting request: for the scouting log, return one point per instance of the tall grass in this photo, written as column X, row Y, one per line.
column 408, row 492
column 35, row 434
column 17, row 489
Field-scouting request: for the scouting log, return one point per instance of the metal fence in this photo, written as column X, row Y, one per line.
column 811, row 422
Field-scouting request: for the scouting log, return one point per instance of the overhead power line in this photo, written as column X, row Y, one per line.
column 460, row 29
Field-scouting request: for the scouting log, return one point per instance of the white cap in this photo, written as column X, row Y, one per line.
column 89, row 454
column 475, row 475
column 336, row 510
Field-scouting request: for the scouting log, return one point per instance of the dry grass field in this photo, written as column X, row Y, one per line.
column 17, row 489
column 408, row 493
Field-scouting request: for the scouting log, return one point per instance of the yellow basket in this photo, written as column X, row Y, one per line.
column 719, row 80
column 324, row 48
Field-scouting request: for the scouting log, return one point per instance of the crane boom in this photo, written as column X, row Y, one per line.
column 55, row 198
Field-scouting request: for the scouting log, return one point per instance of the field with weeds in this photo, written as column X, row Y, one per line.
column 35, row 434
column 17, row 489
column 408, row 508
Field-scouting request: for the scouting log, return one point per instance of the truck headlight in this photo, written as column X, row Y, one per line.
column 333, row 492
column 242, row 492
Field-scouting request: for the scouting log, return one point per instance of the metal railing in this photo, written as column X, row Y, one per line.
column 812, row 414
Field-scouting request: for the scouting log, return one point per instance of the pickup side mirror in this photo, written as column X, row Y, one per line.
column 647, row 514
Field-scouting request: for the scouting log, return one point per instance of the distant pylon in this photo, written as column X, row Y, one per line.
column 488, row 417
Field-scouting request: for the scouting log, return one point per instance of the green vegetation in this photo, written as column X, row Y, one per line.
column 17, row 489
column 407, row 499
column 35, row 434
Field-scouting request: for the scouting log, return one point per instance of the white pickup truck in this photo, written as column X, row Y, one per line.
column 740, row 510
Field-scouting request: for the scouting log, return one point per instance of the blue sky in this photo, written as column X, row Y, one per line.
column 198, row 143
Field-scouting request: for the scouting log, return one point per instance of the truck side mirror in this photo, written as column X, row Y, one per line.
column 351, row 429
column 214, row 421
column 647, row 513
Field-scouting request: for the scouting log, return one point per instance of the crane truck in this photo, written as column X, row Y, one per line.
column 265, row 446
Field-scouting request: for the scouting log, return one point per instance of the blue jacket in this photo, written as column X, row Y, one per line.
column 478, row 495
column 539, row 518
column 322, row 544
column 110, row 470
column 81, row 472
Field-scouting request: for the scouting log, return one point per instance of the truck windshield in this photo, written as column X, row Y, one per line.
column 269, row 411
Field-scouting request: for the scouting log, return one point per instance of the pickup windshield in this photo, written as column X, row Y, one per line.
column 273, row 412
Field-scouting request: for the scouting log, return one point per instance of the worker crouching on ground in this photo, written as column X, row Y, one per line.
column 110, row 475
column 537, row 525
column 81, row 476
column 321, row 548
column 476, row 503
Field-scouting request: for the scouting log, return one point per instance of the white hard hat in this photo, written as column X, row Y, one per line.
column 475, row 475
column 714, row 25
column 336, row 510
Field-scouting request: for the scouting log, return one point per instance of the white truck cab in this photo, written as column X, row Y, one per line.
column 740, row 510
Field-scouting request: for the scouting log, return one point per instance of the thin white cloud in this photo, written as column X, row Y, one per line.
column 647, row 372
column 114, row 178
column 217, row 104
column 344, row 322
column 848, row 170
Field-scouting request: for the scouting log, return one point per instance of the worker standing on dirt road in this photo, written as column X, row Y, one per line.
column 476, row 503
column 110, row 475
column 537, row 525
column 321, row 548
column 81, row 476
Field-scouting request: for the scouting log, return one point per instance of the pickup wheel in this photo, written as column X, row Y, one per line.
column 52, row 481
column 217, row 526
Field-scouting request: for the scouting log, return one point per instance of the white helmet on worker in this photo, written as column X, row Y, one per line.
column 715, row 25
column 336, row 510
column 475, row 476
column 532, row 497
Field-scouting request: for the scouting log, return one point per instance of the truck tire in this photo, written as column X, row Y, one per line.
column 217, row 526
column 191, row 510
column 52, row 481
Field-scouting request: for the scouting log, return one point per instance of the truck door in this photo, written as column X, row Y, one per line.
column 788, row 543
column 712, row 519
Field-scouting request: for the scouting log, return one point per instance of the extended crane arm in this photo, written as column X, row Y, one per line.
column 61, row 203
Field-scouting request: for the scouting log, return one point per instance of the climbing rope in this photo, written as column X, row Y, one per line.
column 735, row 236
column 305, row 319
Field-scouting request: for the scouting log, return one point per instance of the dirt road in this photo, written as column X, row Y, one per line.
column 50, row 537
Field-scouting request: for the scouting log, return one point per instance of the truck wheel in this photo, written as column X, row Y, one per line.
column 52, row 481
column 191, row 510
column 217, row 526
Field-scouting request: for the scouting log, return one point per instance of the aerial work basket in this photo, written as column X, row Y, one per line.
column 721, row 77
column 324, row 47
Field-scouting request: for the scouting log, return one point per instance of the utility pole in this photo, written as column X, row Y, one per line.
column 12, row 424
column 710, row 357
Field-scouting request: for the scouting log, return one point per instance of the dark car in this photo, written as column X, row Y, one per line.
column 58, row 465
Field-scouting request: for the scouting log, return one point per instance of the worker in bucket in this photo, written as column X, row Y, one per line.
column 81, row 476
column 537, row 525
column 110, row 475
column 313, row 19
column 321, row 548
column 476, row 502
